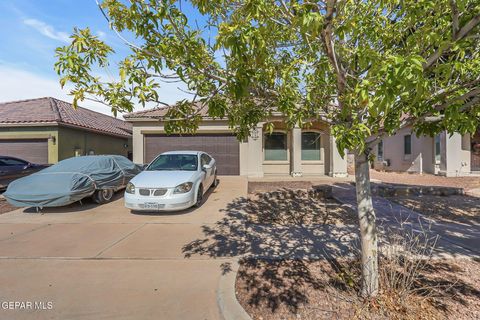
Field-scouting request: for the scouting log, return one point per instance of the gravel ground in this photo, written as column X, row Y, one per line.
column 267, row 186
column 296, row 207
column 466, row 183
column 328, row 289
column 463, row 209
column 5, row 206
column 321, row 290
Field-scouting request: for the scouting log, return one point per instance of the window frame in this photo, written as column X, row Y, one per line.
column 320, row 159
column 437, row 152
column 287, row 146
column 380, row 155
column 405, row 145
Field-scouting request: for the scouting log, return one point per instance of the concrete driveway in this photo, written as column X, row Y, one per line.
column 99, row 262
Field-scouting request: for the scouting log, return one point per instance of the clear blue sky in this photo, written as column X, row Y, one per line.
column 30, row 30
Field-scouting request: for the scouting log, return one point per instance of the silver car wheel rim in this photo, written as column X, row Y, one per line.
column 106, row 194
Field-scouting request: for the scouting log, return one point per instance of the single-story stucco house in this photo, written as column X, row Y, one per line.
column 47, row 130
column 300, row 151
column 446, row 154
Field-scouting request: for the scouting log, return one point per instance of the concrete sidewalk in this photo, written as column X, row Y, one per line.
column 455, row 239
column 98, row 262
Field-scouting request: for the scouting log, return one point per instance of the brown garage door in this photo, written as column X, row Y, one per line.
column 223, row 147
column 33, row 150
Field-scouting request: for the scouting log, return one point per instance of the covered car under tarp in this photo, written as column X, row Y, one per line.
column 71, row 180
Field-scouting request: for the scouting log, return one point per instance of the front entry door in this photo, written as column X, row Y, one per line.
column 476, row 151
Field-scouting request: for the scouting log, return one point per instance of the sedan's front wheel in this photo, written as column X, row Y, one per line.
column 215, row 181
column 103, row 196
column 199, row 196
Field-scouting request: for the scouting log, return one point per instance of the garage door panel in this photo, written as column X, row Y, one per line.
column 32, row 150
column 223, row 147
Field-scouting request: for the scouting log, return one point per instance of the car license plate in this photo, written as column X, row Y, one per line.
column 151, row 205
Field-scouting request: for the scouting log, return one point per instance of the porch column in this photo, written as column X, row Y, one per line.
column 137, row 145
column 296, row 152
column 456, row 159
column 338, row 165
column 255, row 152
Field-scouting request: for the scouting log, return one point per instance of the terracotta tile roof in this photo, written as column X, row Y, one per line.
column 160, row 112
column 51, row 110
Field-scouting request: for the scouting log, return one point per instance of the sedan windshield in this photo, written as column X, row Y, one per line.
column 182, row 162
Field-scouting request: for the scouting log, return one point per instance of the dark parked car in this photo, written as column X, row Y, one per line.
column 72, row 180
column 13, row 168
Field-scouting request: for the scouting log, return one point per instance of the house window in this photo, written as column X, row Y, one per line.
column 310, row 146
column 437, row 148
column 407, row 144
column 276, row 146
column 380, row 151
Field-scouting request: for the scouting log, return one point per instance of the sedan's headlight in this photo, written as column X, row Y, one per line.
column 130, row 188
column 183, row 188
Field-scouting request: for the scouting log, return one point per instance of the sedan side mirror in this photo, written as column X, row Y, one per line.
column 206, row 167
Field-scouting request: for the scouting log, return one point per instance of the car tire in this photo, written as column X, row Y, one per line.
column 215, row 181
column 103, row 196
column 199, row 201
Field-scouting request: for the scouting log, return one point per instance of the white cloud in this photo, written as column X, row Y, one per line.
column 47, row 30
column 101, row 34
column 19, row 84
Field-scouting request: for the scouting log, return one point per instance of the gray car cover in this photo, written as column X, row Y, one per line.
column 71, row 180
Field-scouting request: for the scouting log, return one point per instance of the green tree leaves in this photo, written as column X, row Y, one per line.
column 369, row 67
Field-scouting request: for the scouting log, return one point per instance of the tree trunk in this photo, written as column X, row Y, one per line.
column 368, row 230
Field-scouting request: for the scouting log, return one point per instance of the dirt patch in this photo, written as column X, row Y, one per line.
column 296, row 207
column 267, row 186
column 299, row 289
column 457, row 208
column 466, row 183
column 5, row 206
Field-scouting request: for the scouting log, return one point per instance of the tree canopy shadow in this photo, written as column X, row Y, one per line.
column 280, row 231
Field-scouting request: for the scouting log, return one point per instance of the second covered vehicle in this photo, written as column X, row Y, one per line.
column 174, row 180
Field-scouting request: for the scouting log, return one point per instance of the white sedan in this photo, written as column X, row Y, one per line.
column 174, row 180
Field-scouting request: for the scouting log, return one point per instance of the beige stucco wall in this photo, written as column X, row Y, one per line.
column 35, row 132
column 70, row 140
column 393, row 148
column 252, row 157
column 455, row 155
column 454, row 160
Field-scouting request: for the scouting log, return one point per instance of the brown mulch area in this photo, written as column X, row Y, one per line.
column 299, row 289
column 266, row 186
column 5, row 206
column 463, row 209
column 466, row 183
column 296, row 207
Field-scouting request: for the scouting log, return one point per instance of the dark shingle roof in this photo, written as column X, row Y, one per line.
column 51, row 110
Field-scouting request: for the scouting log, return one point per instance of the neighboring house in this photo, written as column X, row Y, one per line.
column 444, row 154
column 297, row 152
column 47, row 130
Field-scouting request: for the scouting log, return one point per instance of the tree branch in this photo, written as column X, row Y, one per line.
column 455, row 25
column 327, row 37
column 461, row 34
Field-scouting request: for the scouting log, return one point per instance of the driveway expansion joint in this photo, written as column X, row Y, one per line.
column 119, row 240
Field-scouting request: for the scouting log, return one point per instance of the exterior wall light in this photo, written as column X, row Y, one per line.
column 254, row 134
column 52, row 139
